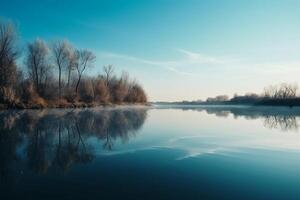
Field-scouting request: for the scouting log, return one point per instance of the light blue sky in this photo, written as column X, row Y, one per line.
column 177, row 49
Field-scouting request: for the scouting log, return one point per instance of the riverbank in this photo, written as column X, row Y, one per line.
column 65, row 105
column 289, row 102
column 292, row 102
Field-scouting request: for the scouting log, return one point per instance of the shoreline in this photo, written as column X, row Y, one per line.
column 292, row 102
column 77, row 105
column 227, row 104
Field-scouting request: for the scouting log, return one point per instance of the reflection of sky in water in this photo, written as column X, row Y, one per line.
column 198, row 133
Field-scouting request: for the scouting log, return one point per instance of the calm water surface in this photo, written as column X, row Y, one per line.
column 185, row 152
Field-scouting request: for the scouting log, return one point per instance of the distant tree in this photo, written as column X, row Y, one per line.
column 222, row 98
column 62, row 57
column 219, row 98
column 210, row 99
column 37, row 63
column 270, row 91
column 253, row 95
column 85, row 59
column 288, row 90
column 248, row 98
column 282, row 91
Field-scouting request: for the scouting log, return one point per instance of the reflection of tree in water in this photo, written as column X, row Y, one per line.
column 9, row 141
column 59, row 138
column 273, row 118
column 285, row 123
column 221, row 113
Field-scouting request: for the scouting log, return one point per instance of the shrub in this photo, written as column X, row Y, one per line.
column 119, row 90
column 70, row 95
column 101, row 91
column 86, row 92
column 136, row 94
column 28, row 92
column 7, row 95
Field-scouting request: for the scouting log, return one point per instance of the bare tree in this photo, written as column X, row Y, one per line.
column 282, row 91
column 42, row 87
column 108, row 71
column 270, row 91
column 119, row 88
column 62, row 54
column 100, row 89
column 288, row 90
column 85, row 59
column 136, row 93
column 8, row 54
column 73, row 62
column 37, row 63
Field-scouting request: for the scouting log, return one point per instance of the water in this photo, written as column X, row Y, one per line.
column 175, row 152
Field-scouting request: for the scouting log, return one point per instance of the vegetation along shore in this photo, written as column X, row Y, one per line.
column 275, row 95
column 55, row 75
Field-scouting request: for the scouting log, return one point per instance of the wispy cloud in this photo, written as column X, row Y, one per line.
column 194, row 64
column 168, row 65
column 183, row 66
column 193, row 57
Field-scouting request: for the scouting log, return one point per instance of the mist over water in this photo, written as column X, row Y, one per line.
column 159, row 152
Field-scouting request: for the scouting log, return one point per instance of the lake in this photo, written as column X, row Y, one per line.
column 162, row 152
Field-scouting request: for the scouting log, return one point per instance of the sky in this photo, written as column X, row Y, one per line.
column 177, row 49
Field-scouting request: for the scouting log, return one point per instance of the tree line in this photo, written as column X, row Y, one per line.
column 283, row 91
column 55, row 75
column 284, row 94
